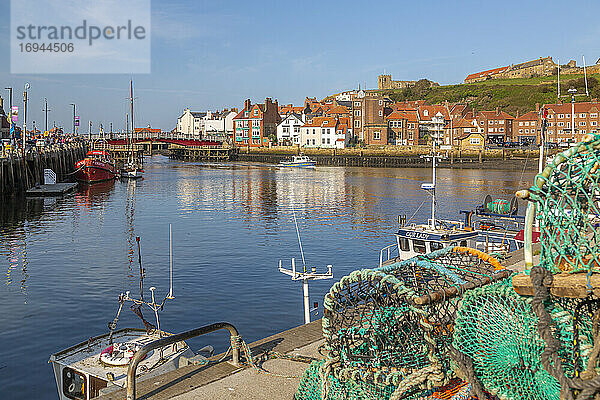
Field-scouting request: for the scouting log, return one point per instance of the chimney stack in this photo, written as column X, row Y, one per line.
column 247, row 104
column 537, row 107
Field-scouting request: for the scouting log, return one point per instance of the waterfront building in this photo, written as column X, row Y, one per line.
column 4, row 125
column 190, row 124
column 464, row 133
column 256, row 123
column 432, row 120
column 325, row 132
column 288, row 131
column 497, row 125
column 527, row 128
column 403, row 128
column 147, row 133
column 368, row 117
column 218, row 125
column 586, row 118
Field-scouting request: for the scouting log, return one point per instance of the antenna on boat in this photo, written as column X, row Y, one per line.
column 304, row 276
column 170, row 295
column 430, row 187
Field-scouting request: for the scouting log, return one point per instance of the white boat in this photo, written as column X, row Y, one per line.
column 301, row 161
column 417, row 239
column 99, row 365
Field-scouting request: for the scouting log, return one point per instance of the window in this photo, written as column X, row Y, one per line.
column 594, row 123
column 550, row 116
column 419, row 246
column 73, row 384
column 594, row 115
column 325, row 122
column 381, row 113
column 328, row 141
column 255, row 112
column 582, row 123
column 380, row 102
column 501, row 129
column 501, row 122
column 307, row 142
column 526, row 123
column 376, row 135
column 520, row 130
column 435, row 246
column 561, row 115
column 314, row 141
column 357, row 104
column 526, row 130
column 582, row 115
column 296, row 129
column 567, row 115
column 550, row 132
column 560, row 124
column 474, row 140
column 404, row 244
column 357, row 124
column 322, row 140
column 532, row 123
column 520, row 123
column 357, row 113
column 425, row 112
column 286, row 129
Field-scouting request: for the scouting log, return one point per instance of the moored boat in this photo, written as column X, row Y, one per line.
column 97, row 166
column 301, row 161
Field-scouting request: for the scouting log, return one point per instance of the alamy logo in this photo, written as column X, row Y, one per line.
column 80, row 36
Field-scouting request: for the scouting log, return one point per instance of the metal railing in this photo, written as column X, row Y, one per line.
column 391, row 251
column 166, row 341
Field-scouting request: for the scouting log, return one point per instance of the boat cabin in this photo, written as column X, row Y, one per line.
column 99, row 365
column 422, row 239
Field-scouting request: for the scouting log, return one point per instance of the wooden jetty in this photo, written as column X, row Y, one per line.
column 56, row 189
column 19, row 174
column 202, row 153
column 121, row 152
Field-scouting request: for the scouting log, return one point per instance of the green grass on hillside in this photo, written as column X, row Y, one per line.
column 511, row 95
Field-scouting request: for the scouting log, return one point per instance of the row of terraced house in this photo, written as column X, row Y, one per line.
column 372, row 118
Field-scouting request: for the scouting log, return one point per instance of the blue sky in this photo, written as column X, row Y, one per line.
column 214, row 54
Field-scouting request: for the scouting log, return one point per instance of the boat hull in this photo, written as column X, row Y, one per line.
column 92, row 171
column 298, row 165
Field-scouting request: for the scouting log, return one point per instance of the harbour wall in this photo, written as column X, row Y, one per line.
column 499, row 159
column 18, row 173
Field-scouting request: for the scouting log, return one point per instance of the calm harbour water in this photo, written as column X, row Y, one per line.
column 65, row 261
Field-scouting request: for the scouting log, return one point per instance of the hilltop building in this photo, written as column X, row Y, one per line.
column 385, row 82
column 544, row 66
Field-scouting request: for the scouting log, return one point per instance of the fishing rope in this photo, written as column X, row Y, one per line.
column 415, row 213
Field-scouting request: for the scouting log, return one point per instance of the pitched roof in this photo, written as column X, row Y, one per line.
column 322, row 122
column 484, row 74
column 494, row 115
column 432, row 111
column 529, row 116
column 565, row 108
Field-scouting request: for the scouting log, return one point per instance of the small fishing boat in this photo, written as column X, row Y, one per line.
column 99, row 365
column 301, row 161
column 97, row 166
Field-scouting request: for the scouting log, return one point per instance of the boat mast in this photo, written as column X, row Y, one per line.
column 132, row 125
column 434, row 159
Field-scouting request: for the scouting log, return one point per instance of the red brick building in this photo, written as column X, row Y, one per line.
column 369, row 110
column 586, row 118
column 255, row 123
column 527, row 128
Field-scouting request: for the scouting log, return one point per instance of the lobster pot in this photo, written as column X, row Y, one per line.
column 387, row 330
column 567, row 199
column 497, row 330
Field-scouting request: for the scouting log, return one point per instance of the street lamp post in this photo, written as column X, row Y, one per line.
column 25, row 99
column 10, row 105
column 572, row 91
column 46, row 114
column 74, row 107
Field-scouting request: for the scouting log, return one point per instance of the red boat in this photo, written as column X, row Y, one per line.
column 97, row 166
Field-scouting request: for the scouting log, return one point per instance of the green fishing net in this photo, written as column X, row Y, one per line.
column 497, row 329
column 567, row 196
column 381, row 342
